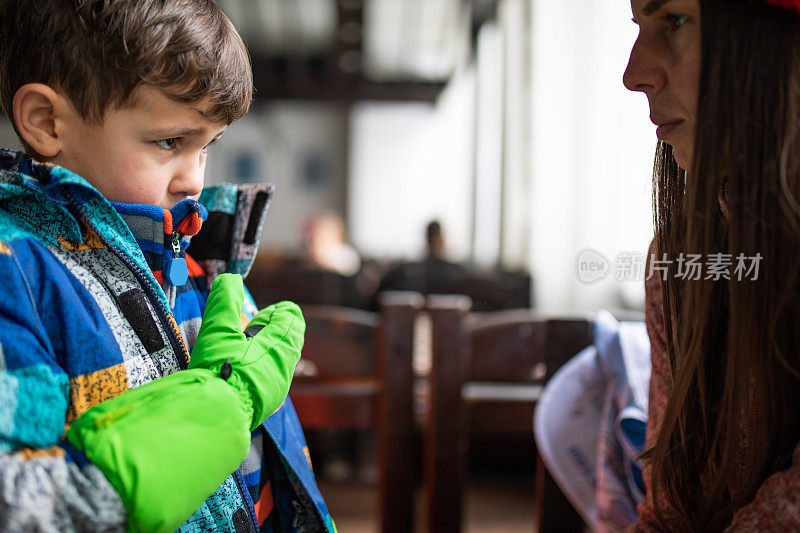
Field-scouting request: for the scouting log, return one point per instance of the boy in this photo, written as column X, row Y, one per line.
column 106, row 422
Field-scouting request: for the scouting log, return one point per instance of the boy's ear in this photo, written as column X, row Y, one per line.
column 38, row 112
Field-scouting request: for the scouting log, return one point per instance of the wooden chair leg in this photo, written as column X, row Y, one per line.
column 553, row 511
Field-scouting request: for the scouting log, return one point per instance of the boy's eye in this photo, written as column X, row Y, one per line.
column 676, row 21
column 167, row 144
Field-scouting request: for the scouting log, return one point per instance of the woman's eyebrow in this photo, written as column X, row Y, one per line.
column 652, row 6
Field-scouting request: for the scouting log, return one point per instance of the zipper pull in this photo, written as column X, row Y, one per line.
column 176, row 272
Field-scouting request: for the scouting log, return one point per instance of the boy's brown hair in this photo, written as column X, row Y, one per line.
column 96, row 52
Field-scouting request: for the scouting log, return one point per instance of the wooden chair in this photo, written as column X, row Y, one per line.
column 487, row 370
column 356, row 372
column 489, row 290
column 304, row 285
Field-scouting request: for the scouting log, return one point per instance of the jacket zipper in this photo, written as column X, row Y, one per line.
column 175, row 272
column 181, row 353
column 248, row 501
column 176, row 244
column 295, row 503
column 298, row 508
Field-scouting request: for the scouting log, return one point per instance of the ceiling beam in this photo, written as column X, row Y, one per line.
column 318, row 79
column 337, row 75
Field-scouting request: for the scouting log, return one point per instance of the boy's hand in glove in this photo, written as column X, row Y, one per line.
column 167, row 445
column 259, row 362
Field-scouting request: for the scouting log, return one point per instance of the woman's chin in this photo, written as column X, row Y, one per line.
column 682, row 157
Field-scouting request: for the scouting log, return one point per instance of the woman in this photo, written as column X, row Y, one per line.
column 722, row 78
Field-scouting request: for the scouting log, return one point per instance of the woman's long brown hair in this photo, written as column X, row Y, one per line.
column 733, row 415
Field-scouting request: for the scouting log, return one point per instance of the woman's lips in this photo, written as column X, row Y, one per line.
column 666, row 128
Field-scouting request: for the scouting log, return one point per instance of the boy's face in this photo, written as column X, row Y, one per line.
column 151, row 151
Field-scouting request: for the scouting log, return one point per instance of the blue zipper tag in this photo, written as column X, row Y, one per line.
column 177, row 274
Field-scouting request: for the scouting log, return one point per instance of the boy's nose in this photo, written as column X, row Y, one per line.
column 188, row 179
column 643, row 73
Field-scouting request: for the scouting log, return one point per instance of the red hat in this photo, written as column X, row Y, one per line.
column 794, row 5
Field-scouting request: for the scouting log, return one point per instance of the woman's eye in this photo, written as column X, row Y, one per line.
column 676, row 21
column 167, row 144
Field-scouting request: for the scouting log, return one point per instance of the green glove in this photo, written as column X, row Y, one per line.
column 167, row 445
column 194, row 425
column 259, row 362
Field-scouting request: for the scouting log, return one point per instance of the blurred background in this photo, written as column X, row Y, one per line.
column 504, row 120
column 418, row 142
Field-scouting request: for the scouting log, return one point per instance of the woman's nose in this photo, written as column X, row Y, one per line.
column 643, row 73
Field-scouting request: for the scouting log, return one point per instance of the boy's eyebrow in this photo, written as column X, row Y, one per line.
column 652, row 6
column 185, row 132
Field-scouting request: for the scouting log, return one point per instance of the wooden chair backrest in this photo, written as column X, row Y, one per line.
column 487, row 371
column 341, row 342
column 489, row 291
column 521, row 346
column 304, row 285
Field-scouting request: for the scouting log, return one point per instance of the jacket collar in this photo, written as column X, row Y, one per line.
column 158, row 230
column 44, row 191
column 35, row 193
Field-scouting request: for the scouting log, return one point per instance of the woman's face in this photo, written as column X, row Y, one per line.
column 665, row 66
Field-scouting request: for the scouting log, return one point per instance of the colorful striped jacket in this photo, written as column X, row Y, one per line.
column 87, row 311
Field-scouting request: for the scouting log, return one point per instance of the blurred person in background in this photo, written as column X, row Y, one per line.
column 435, row 240
column 326, row 247
column 433, row 274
